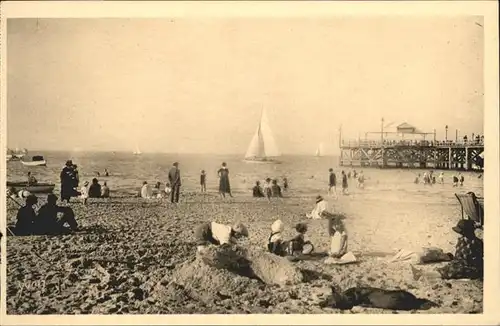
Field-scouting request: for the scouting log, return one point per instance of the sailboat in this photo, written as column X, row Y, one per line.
column 319, row 150
column 263, row 148
column 137, row 150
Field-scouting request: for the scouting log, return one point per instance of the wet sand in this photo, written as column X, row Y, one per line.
column 131, row 250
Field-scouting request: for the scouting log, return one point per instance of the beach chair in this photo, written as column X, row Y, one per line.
column 472, row 207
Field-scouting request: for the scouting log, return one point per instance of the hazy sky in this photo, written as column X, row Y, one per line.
column 198, row 85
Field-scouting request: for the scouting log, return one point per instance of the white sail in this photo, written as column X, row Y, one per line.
column 263, row 144
column 319, row 150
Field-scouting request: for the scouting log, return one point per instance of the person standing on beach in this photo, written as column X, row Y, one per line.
column 441, row 178
column 461, row 178
column 455, row 181
column 332, row 183
column 67, row 177
column 345, row 186
column 267, row 189
column 285, row 184
column 203, row 181
column 224, row 186
column 174, row 177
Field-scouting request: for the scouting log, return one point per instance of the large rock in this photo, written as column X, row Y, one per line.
column 253, row 263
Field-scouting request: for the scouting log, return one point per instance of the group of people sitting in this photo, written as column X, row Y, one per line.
column 50, row 219
column 147, row 192
column 95, row 190
column 270, row 189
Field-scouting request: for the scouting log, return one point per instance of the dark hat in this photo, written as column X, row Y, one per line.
column 51, row 197
column 31, row 199
column 319, row 198
column 69, row 163
column 176, row 164
column 330, row 169
column 464, row 227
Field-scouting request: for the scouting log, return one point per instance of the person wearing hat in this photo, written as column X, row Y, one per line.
column 174, row 178
column 47, row 221
column 219, row 234
column 468, row 261
column 26, row 216
column 68, row 178
column 321, row 206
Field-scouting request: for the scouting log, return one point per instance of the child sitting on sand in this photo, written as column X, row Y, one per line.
column 168, row 189
column 299, row 244
column 295, row 247
column 219, row 234
column 275, row 241
column 338, row 235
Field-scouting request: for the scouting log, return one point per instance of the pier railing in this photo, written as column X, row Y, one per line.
column 415, row 143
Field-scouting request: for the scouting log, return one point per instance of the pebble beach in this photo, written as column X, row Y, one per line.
column 136, row 256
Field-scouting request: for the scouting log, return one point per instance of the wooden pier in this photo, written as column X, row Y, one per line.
column 384, row 153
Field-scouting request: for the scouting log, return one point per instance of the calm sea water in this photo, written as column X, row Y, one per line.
column 306, row 175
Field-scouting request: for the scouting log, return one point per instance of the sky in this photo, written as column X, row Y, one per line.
column 198, row 85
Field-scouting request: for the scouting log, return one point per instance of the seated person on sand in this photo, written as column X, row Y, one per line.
column 338, row 240
column 257, row 190
column 47, row 221
column 146, row 191
column 168, row 189
column 468, row 261
column 294, row 247
column 321, row 206
column 157, row 192
column 95, row 189
column 26, row 216
column 105, row 190
column 276, row 189
column 425, row 255
column 219, row 234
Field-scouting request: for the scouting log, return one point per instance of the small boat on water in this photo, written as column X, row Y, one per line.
column 38, row 188
column 37, row 160
column 263, row 148
column 8, row 157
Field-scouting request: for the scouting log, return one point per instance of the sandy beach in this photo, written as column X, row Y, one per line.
column 131, row 250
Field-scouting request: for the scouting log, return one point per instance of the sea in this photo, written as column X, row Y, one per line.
column 307, row 175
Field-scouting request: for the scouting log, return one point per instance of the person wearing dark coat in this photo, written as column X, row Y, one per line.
column 257, row 190
column 68, row 180
column 174, row 177
column 26, row 217
column 95, row 189
column 47, row 220
column 224, row 186
column 276, row 189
